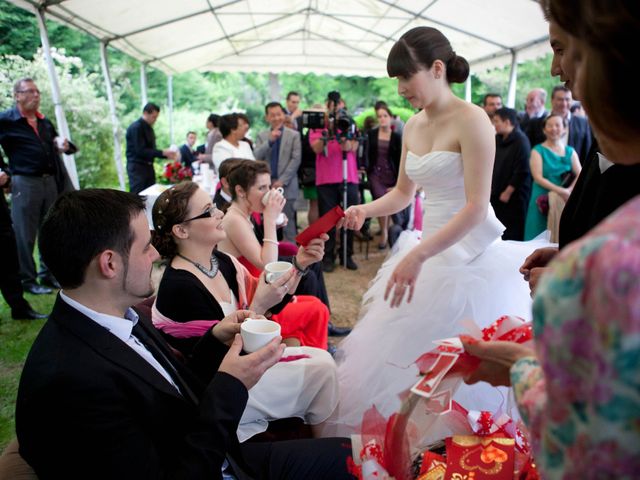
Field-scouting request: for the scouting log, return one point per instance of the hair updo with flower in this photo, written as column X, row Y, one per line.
column 171, row 208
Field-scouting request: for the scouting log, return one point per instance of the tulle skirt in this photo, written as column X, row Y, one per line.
column 376, row 361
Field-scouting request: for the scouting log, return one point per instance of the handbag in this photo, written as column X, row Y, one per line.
column 542, row 202
column 567, row 178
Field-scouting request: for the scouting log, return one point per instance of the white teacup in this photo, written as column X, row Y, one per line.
column 256, row 333
column 265, row 197
column 275, row 270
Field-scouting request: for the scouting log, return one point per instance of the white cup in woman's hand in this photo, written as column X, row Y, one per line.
column 275, row 270
column 265, row 198
column 256, row 333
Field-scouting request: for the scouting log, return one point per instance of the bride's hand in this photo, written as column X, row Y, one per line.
column 403, row 280
column 354, row 218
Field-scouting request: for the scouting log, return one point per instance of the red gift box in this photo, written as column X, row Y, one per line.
column 470, row 457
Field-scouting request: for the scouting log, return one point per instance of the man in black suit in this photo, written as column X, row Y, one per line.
column 579, row 131
column 101, row 395
column 534, row 108
column 187, row 154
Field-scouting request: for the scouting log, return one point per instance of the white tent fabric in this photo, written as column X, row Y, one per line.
column 347, row 37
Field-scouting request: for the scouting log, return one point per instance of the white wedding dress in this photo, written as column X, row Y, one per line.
column 477, row 278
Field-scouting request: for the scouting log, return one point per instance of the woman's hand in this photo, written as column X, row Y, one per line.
column 313, row 252
column 403, row 279
column 354, row 218
column 496, row 359
column 225, row 330
column 274, row 206
column 269, row 294
column 564, row 193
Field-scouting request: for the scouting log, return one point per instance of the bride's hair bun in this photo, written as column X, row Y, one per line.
column 457, row 69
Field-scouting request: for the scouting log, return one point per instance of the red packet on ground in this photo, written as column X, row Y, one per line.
column 320, row 226
column 480, row 458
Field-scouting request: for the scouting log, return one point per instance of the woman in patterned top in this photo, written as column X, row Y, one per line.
column 580, row 393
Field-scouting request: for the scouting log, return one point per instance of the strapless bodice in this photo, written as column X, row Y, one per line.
column 441, row 175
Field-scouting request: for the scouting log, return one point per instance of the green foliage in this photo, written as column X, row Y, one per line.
column 404, row 114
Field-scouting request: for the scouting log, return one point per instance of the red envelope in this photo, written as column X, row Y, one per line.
column 480, row 458
column 320, row 226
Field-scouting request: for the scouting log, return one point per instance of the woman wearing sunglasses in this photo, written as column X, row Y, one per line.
column 201, row 285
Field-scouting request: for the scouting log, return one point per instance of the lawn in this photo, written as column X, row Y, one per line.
column 345, row 291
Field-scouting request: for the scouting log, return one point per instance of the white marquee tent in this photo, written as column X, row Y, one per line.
column 348, row 37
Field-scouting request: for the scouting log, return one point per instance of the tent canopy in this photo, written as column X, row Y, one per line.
column 348, row 37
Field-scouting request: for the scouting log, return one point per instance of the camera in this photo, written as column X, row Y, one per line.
column 312, row 119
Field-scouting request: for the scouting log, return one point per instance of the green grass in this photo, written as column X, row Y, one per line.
column 16, row 337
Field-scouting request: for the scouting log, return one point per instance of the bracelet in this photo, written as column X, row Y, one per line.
column 268, row 240
column 301, row 271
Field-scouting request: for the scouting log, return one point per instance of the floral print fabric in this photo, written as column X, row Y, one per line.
column 581, row 402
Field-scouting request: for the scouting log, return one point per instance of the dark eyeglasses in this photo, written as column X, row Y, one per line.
column 208, row 213
column 30, row 91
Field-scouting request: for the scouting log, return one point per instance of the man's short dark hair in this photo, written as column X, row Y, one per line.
column 244, row 117
column 292, row 94
column 227, row 123
column 508, row 114
column 81, row 225
column 559, row 88
column 191, row 132
column 273, row 105
column 151, row 108
column 490, row 95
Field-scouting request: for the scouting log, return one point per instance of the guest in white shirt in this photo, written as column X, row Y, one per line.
column 231, row 145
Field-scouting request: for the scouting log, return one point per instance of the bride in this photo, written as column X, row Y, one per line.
column 459, row 270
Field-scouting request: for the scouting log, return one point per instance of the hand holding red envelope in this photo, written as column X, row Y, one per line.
column 325, row 223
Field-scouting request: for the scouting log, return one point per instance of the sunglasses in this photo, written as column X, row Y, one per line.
column 208, row 213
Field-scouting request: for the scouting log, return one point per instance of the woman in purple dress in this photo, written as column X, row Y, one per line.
column 383, row 161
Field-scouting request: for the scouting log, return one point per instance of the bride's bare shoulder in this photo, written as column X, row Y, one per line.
column 416, row 121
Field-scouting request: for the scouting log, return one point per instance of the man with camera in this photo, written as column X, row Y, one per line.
column 330, row 144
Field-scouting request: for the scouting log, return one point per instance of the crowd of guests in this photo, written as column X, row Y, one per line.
column 166, row 394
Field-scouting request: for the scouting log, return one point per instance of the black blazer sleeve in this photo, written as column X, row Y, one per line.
column 521, row 170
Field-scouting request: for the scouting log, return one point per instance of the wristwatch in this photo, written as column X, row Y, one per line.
column 301, row 271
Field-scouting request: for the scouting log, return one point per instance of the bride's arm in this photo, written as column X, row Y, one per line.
column 477, row 144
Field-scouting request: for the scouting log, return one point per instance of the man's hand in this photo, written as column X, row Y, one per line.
column 226, row 330
column 250, row 368
column 4, row 179
column 275, row 135
column 539, row 258
column 277, row 184
column 170, row 154
column 505, row 196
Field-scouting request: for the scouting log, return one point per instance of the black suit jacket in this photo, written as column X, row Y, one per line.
column 187, row 156
column 395, row 150
column 90, row 407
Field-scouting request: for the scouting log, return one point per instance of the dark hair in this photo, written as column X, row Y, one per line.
column 191, row 132
column 368, row 123
column 420, row 47
column 291, row 94
column 508, row 114
column 273, row 105
column 244, row 117
column 171, row 208
column 559, row 88
column 551, row 115
column 150, row 108
column 245, row 174
column 228, row 123
column 214, row 119
column 380, row 105
column 575, row 106
column 490, row 95
column 228, row 165
column 81, row 225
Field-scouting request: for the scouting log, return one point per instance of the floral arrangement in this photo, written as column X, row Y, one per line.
column 175, row 172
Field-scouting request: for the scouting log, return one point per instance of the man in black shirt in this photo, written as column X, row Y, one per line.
column 141, row 150
column 38, row 175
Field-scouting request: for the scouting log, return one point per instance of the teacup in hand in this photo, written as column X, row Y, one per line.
column 265, row 197
column 256, row 333
column 275, row 270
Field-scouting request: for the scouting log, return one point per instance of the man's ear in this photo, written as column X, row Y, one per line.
column 108, row 263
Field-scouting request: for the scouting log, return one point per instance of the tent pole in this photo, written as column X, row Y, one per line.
column 143, row 83
column 117, row 148
column 513, row 80
column 274, row 87
column 170, row 95
column 61, row 119
column 467, row 88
